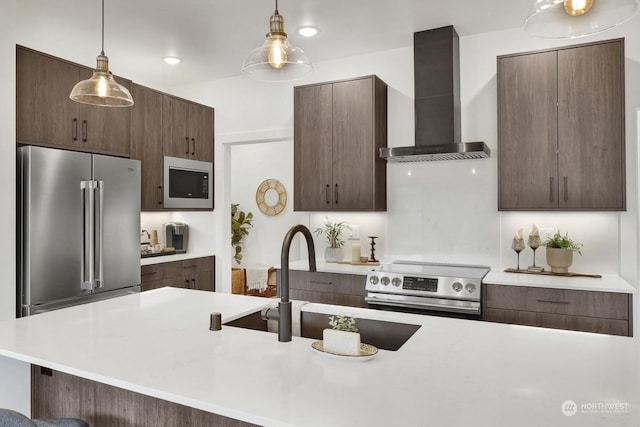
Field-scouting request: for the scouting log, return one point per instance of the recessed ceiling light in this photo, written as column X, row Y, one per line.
column 172, row 60
column 308, row 31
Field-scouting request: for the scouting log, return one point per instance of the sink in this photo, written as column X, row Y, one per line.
column 382, row 334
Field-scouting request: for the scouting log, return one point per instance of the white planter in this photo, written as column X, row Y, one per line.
column 333, row 254
column 341, row 342
column 559, row 259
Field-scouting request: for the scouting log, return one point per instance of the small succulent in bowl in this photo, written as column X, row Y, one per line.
column 563, row 242
column 343, row 323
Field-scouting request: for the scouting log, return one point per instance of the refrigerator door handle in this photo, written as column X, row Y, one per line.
column 99, row 239
column 87, row 264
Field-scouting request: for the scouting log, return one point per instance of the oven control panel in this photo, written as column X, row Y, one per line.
column 449, row 287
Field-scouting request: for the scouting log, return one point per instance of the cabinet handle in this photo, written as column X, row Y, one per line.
column 193, row 151
column 553, row 302
column 161, row 195
column 566, row 188
column 551, row 189
column 84, row 131
column 193, row 283
column 188, row 148
column 150, row 273
column 336, row 194
column 190, row 266
column 186, row 284
column 318, row 282
column 327, row 194
column 74, row 129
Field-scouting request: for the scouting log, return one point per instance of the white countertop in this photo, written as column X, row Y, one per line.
column 452, row 372
column 168, row 258
column 608, row 282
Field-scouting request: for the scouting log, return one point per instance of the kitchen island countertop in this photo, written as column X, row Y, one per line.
column 452, row 372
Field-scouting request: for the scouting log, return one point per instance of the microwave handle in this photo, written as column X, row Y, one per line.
column 161, row 195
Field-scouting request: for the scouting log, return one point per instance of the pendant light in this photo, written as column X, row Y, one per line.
column 561, row 19
column 101, row 89
column 276, row 60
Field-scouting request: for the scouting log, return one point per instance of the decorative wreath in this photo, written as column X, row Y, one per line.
column 271, row 184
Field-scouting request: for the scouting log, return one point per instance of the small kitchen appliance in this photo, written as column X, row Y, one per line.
column 428, row 288
column 188, row 184
column 176, row 236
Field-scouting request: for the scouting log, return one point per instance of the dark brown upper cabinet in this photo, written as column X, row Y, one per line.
column 561, row 129
column 155, row 117
column 187, row 129
column 146, row 144
column 339, row 128
column 46, row 116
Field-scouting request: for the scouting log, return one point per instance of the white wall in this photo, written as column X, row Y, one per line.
column 447, row 211
column 14, row 375
column 250, row 165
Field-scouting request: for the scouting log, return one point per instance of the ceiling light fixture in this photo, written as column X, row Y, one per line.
column 102, row 89
column 308, row 31
column 172, row 60
column 276, row 60
column 562, row 19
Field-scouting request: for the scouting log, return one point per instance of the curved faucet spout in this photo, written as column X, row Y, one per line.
column 283, row 284
column 284, row 306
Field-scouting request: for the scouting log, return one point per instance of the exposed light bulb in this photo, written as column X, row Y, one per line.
column 277, row 53
column 577, row 7
column 102, row 87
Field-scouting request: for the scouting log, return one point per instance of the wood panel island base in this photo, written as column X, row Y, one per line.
column 56, row 395
column 146, row 359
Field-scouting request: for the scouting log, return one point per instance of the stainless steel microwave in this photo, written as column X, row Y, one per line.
column 188, row 184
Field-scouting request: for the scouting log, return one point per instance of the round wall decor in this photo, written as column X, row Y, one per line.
column 271, row 197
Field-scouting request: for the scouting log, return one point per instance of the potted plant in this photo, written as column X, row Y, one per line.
column 240, row 224
column 332, row 231
column 560, row 251
column 343, row 337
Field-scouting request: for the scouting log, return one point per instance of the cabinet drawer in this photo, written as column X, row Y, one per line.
column 349, row 284
column 328, row 298
column 606, row 305
column 558, row 321
column 151, row 273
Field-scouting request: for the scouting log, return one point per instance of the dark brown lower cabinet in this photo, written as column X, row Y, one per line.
column 328, row 288
column 587, row 311
column 195, row 273
column 58, row 395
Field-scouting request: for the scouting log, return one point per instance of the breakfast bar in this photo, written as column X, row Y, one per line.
column 451, row 372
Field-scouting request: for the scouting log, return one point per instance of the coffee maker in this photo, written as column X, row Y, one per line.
column 176, row 235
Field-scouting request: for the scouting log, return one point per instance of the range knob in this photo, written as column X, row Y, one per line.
column 471, row 288
column 396, row 282
column 373, row 280
column 385, row 281
column 457, row 286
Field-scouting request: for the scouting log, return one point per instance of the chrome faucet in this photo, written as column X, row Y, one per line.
column 283, row 312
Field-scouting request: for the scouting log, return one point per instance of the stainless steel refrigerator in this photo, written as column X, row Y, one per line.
column 78, row 228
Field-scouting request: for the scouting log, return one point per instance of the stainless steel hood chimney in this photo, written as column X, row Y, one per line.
column 437, row 102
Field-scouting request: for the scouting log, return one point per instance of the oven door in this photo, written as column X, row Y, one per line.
column 424, row 305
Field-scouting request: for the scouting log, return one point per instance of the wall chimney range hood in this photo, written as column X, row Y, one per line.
column 437, row 102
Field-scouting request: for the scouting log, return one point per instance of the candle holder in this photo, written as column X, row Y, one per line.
column 372, row 254
column 517, row 245
column 534, row 243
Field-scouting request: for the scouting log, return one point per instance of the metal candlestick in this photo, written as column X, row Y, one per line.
column 534, row 243
column 372, row 254
column 518, row 245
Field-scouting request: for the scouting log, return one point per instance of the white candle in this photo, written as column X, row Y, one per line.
column 355, row 252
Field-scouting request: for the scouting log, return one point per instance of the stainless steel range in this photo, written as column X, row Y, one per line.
column 440, row 289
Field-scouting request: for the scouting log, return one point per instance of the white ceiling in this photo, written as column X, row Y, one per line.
column 214, row 36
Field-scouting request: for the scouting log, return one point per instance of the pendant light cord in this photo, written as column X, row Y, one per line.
column 103, row 27
column 276, row 6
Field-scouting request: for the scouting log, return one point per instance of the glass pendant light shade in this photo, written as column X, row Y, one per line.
column 101, row 89
column 276, row 60
column 560, row 19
